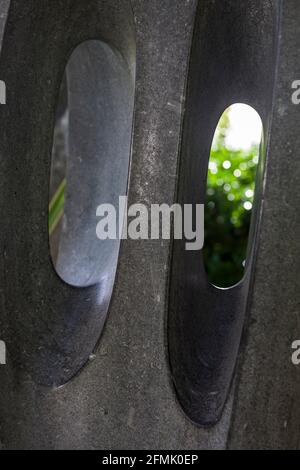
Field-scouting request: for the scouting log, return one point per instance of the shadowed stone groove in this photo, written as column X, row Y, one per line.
column 233, row 61
column 50, row 327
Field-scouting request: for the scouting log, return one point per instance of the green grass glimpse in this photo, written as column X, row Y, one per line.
column 56, row 207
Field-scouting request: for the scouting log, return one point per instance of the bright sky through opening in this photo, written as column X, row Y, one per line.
column 245, row 128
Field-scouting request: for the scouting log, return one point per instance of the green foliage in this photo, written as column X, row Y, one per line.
column 230, row 191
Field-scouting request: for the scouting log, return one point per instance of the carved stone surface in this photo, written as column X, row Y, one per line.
column 233, row 60
column 266, row 412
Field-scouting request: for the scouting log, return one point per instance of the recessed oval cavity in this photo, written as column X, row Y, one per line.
column 90, row 162
column 234, row 158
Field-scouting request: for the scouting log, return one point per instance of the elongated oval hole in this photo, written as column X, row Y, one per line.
column 231, row 183
column 90, row 161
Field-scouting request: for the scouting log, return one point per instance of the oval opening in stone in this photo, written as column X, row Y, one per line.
column 90, row 160
column 234, row 159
